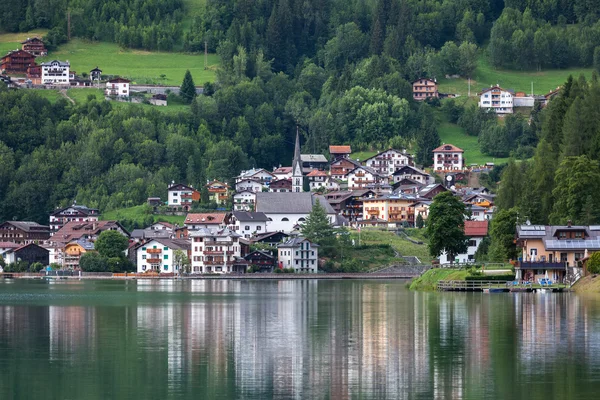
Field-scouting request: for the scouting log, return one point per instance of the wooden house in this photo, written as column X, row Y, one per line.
column 16, row 62
column 35, row 47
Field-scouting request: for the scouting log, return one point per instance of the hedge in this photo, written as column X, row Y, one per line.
column 505, row 278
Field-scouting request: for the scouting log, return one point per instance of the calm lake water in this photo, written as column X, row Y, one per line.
column 292, row 339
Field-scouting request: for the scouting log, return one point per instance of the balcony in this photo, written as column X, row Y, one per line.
column 186, row 196
column 153, row 260
column 373, row 211
column 217, row 253
column 541, row 265
column 154, row 251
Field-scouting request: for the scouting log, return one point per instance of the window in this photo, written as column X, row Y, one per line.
column 284, row 219
column 165, row 248
column 578, row 235
column 174, row 201
column 258, row 228
column 166, row 267
column 313, row 262
column 144, row 257
column 472, row 243
column 166, row 257
column 563, row 235
column 296, row 253
column 143, row 267
column 143, row 249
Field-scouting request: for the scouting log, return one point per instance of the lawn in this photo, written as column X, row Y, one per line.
column 485, row 75
column 12, row 41
column 138, row 214
column 80, row 95
column 51, row 95
column 401, row 245
column 362, row 155
column 141, row 67
column 429, row 279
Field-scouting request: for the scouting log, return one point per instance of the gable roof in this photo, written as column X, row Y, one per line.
column 31, row 40
column 266, row 235
column 81, row 208
column 16, row 53
column 289, row 203
column 316, row 172
column 413, row 171
column 205, row 218
column 495, row 87
column 27, row 245
column 28, row 226
column 245, row 216
column 259, row 252
column 295, row 242
column 404, row 153
column 283, row 170
column 342, row 149
column 119, row 80
column 74, row 230
column 180, row 186
column 60, row 63
column 313, row 158
column 429, row 188
column 424, row 79
column 9, row 245
column 448, row 148
column 476, row 228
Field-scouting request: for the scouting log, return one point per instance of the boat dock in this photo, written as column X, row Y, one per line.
column 496, row 287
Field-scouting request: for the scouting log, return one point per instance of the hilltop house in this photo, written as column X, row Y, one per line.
column 55, row 72
column 448, row 157
column 387, row 162
column 424, row 89
column 181, row 197
column 79, row 213
column 159, row 255
column 300, row 254
column 96, row 74
column 338, row 152
column 216, row 251
column 23, row 232
column 16, row 62
column 476, row 231
column 118, row 87
column 35, row 47
column 497, row 100
column 207, row 221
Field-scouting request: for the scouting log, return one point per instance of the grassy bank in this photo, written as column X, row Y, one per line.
column 12, row 41
column 588, row 284
column 429, row 279
column 139, row 214
column 398, row 243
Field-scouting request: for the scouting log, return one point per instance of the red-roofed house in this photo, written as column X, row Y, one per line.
column 117, row 87
column 448, row 157
column 207, row 221
column 476, row 231
column 340, row 151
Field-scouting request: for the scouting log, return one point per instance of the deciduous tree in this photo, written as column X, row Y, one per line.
column 446, row 226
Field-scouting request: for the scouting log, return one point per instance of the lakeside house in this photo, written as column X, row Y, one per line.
column 23, row 232
column 28, row 253
column 217, row 251
column 265, row 261
column 476, row 231
column 300, row 254
column 248, row 224
column 159, row 255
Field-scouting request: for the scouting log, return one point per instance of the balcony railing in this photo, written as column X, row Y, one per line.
column 542, row 265
column 218, row 253
column 154, row 251
column 153, row 260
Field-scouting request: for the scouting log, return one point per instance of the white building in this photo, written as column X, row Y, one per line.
column 387, row 162
column 448, row 157
column 244, row 201
column 261, row 175
column 363, row 177
column 283, row 173
column 206, row 221
column 476, row 231
column 117, row 87
column 317, row 179
column 299, row 253
column 159, row 255
column 55, row 73
column 216, row 251
column 181, row 196
column 497, row 100
column 248, row 224
column 412, row 173
column 75, row 212
column 286, row 210
column 249, row 185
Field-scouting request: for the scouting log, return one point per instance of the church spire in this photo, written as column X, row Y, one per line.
column 297, row 179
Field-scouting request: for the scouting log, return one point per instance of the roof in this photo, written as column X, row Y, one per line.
column 313, row 158
column 403, row 152
column 212, row 218
column 16, row 52
column 424, row 79
column 150, row 233
column 204, row 232
column 85, row 244
column 295, row 242
column 340, row 149
column 427, row 189
column 74, row 230
column 28, row 226
column 27, row 245
column 316, row 172
column 96, row 70
column 174, row 244
column 119, row 80
column 244, row 216
column 367, row 169
column 180, row 186
column 547, row 233
column 289, row 203
column 283, row 170
column 448, row 148
column 81, row 208
column 263, row 236
column 495, row 87
column 476, row 228
column 33, row 39
column 263, row 253
column 53, row 62
column 9, row 245
column 251, row 172
column 413, row 171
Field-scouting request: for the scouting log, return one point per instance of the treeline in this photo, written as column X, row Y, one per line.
column 522, row 40
column 144, row 24
column 562, row 181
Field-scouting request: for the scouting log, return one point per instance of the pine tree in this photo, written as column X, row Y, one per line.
column 318, row 230
column 427, row 137
column 187, row 91
column 420, row 221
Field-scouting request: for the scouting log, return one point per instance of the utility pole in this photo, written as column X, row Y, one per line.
column 205, row 55
column 531, row 88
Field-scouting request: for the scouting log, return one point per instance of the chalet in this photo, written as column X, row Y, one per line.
column 338, row 152
column 387, row 162
column 476, row 231
column 71, row 253
column 55, row 72
column 497, row 100
column 264, row 261
column 23, row 232
column 448, row 157
column 34, row 74
column 34, row 46
column 16, row 62
column 407, row 186
column 424, row 89
column 390, row 208
column 218, row 192
column 412, row 173
column 340, row 168
column 207, row 221
column 283, row 173
column 300, row 254
column 248, row 224
column 79, row 213
column 270, row 238
column 554, row 251
column 244, row 201
column 216, row 251
column 482, row 200
column 430, row 191
column 248, row 185
column 286, row 210
column 29, row 253
column 348, row 203
column 281, row 186
column 181, row 197
column 118, row 87
column 313, row 161
column 316, row 179
column 76, row 230
column 365, row 177
column 96, row 74
column 159, row 255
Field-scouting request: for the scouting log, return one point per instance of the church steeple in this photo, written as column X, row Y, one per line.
column 297, row 185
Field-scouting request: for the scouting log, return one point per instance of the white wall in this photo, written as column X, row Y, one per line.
column 142, row 255
column 464, row 257
column 291, row 258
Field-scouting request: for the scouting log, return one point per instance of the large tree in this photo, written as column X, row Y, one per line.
column 187, row 91
column 502, row 233
column 318, row 229
column 111, row 244
column 446, row 226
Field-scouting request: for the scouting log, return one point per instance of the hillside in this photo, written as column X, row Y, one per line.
column 139, row 216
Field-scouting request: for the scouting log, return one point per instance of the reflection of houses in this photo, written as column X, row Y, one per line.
column 159, row 255
column 35, row 47
column 299, row 253
column 79, row 213
column 23, row 232
column 448, row 158
column 181, row 197
column 476, row 231
column 216, row 251
column 218, row 192
column 118, row 87
column 554, row 250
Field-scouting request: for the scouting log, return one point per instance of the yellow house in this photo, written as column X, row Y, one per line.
column 554, row 251
column 73, row 251
column 390, row 208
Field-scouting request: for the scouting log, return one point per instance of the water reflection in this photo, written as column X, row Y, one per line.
column 292, row 339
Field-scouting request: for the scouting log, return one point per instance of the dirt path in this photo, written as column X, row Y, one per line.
column 63, row 92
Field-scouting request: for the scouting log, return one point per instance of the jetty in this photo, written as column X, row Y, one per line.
column 496, row 287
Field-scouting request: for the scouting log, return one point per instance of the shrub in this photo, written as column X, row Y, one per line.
column 593, row 264
column 503, row 278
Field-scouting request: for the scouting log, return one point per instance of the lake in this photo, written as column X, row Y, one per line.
column 308, row 339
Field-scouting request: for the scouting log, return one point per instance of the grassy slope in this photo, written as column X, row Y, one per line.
column 81, row 95
column 362, row 155
column 588, row 284
column 12, row 41
column 429, row 279
column 485, row 75
column 142, row 67
column 403, row 246
column 137, row 214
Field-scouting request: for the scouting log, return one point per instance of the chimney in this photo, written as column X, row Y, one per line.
column 569, row 223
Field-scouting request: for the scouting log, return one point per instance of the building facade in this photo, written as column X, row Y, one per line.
column 55, row 72
column 181, row 197
column 216, row 251
column 79, row 213
column 448, row 157
column 35, row 47
column 159, row 255
column 118, row 87
column 24, row 232
column 16, row 62
column 497, row 100
column 387, row 162
column 476, row 231
column 300, row 254
column 424, row 89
